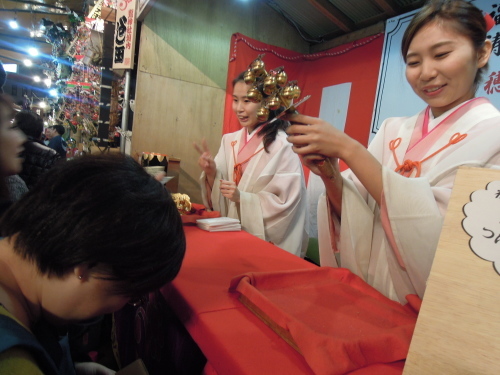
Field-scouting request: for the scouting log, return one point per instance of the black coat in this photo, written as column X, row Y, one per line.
column 38, row 158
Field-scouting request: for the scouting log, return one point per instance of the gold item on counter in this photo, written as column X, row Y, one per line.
column 183, row 203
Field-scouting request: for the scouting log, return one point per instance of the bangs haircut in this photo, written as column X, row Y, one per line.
column 462, row 16
column 104, row 211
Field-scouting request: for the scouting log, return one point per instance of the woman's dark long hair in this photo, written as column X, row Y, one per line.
column 268, row 131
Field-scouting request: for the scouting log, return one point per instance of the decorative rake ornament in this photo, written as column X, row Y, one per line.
column 274, row 91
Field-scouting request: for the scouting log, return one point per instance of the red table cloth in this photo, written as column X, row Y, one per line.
column 334, row 319
column 233, row 339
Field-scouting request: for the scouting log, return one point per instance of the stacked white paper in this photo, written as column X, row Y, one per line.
column 219, row 224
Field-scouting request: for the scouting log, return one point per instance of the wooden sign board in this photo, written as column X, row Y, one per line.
column 458, row 328
column 125, row 33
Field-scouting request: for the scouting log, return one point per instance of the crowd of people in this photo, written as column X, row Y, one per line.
column 56, row 270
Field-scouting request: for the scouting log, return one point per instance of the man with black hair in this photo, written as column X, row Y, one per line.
column 38, row 158
column 97, row 232
column 54, row 134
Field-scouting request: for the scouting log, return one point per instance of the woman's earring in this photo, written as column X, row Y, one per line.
column 80, row 277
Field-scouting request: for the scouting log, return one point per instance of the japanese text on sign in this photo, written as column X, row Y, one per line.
column 125, row 29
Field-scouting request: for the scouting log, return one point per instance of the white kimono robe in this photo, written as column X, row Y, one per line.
column 272, row 193
column 412, row 209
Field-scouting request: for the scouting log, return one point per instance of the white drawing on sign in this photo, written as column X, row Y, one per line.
column 482, row 223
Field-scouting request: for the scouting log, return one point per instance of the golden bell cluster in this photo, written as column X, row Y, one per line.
column 183, row 203
column 272, row 89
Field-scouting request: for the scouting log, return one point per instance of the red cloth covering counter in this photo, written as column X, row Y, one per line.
column 232, row 338
column 336, row 320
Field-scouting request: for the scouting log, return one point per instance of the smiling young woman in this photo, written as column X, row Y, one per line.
column 386, row 210
column 256, row 177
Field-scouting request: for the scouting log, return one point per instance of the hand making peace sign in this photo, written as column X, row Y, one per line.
column 206, row 161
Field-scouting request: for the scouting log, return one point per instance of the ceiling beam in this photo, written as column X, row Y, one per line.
column 15, row 55
column 386, row 7
column 40, row 4
column 333, row 14
column 43, row 55
column 14, row 36
column 13, row 10
column 66, row 9
column 10, row 58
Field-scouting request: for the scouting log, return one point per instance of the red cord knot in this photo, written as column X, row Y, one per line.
column 457, row 137
column 237, row 173
column 394, row 144
column 409, row 166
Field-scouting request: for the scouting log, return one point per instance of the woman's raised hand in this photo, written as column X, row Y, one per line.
column 206, row 161
column 311, row 135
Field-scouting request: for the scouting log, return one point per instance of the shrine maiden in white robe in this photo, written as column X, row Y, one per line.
column 272, row 192
column 392, row 247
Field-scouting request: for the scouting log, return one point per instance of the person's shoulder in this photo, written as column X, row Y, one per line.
column 15, row 359
column 486, row 107
column 230, row 136
column 281, row 139
column 18, row 361
column 33, row 146
column 398, row 121
column 401, row 118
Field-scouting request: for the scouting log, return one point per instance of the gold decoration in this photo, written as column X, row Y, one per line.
column 262, row 114
column 183, row 203
column 249, row 77
column 281, row 78
column 272, row 89
column 273, row 103
column 258, row 67
column 254, row 95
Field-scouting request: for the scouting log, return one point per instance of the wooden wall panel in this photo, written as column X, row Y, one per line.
column 174, row 114
column 199, row 31
column 458, row 327
column 160, row 58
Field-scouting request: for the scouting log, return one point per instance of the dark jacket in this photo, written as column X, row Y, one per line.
column 38, row 158
column 59, row 144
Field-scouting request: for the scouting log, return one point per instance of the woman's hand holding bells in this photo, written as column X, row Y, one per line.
column 316, row 142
